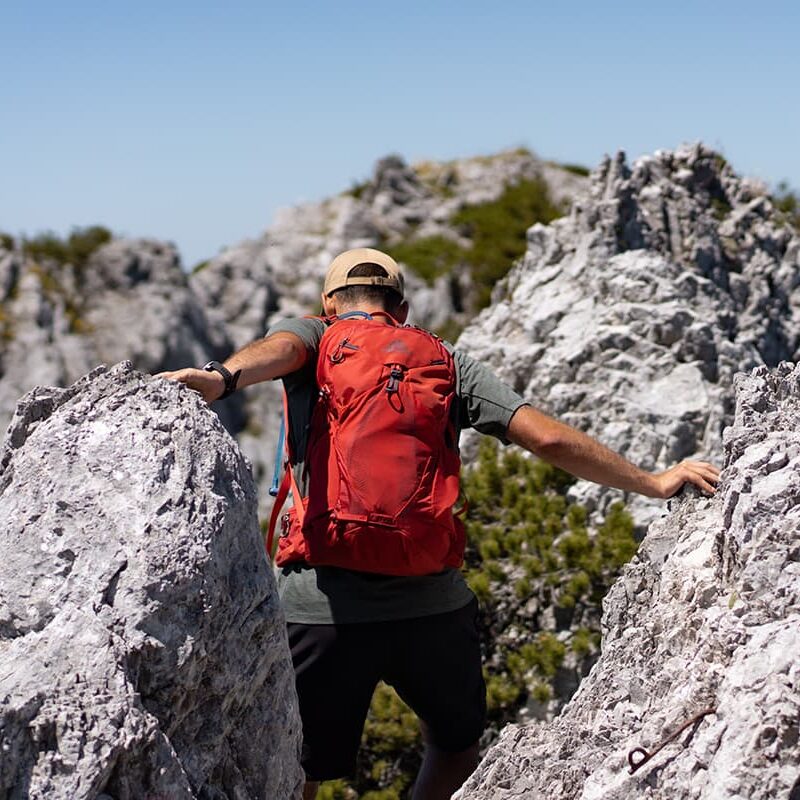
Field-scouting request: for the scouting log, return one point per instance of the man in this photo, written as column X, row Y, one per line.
column 350, row 629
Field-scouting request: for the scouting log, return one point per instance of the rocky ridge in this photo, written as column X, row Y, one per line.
column 629, row 317
column 705, row 620
column 142, row 644
column 132, row 300
column 280, row 274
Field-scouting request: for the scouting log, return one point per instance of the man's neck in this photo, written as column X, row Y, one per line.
column 377, row 311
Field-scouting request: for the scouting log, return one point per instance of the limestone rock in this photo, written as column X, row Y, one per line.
column 629, row 317
column 143, row 652
column 131, row 301
column 238, row 292
column 707, row 616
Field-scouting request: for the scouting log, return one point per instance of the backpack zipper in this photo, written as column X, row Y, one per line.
column 337, row 355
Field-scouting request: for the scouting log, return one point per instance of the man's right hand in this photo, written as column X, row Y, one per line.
column 210, row 385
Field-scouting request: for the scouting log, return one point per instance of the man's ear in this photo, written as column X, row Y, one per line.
column 328, row 306
column 402, row 312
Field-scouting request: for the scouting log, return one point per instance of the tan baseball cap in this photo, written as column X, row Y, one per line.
column 339, row 271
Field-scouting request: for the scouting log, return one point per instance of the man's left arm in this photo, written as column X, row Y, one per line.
column 273, row 357
column 584, row 457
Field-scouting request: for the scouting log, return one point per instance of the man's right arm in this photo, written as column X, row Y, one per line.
column 272, row 357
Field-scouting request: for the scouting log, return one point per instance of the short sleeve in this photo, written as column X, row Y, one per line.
column 309, row 330
column 487, row 403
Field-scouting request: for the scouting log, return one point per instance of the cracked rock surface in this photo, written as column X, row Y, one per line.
column 707, row 616
column 143, row 652
column 629, row 318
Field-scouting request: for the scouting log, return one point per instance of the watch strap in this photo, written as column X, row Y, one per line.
column 231, row 379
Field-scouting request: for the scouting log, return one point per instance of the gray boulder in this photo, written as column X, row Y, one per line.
column 705, row 619
column 630, row 317
column 143, row 651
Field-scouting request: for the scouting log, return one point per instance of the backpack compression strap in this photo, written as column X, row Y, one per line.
column 287, row 483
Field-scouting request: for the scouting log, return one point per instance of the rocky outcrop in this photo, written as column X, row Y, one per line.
column 130, row 301
column 143, row 652
column 629, row 317
column 281, row 273
column 704, row 621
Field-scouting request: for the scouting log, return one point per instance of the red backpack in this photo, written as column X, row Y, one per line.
column 382, row 459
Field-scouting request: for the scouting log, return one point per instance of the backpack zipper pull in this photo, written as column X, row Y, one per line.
column 337, row 355
column 393, row 384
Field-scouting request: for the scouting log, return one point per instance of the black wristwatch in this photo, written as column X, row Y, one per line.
column 230, row 380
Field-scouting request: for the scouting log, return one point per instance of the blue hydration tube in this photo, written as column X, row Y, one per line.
column 276, row 475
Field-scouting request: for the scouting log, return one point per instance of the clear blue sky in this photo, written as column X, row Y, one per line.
column 195, row 121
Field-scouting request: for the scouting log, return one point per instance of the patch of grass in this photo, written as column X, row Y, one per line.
column 75, row 249
column 498, row 229
column 429, row 257
column 787, row 202
column 576, row 169
column 720, row 207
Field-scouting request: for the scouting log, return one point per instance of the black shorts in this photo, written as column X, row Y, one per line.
column 433, row 663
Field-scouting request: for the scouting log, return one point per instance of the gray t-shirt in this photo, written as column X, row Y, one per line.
column 324, row 595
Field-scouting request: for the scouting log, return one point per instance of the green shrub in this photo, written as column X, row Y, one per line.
column 518, row 511
column 75, row 249
column 582, row 643
column 500, row 693
column 541, row 692
column 547, row 654
column 429, row 257
column 497, row 234
column 576, row 169
column 720, row 207
column 357, row 189
column 336, row 790
column 6, row 241
column 522, row 588
column 498, row 230
column 478, row 581
column 788, row 203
